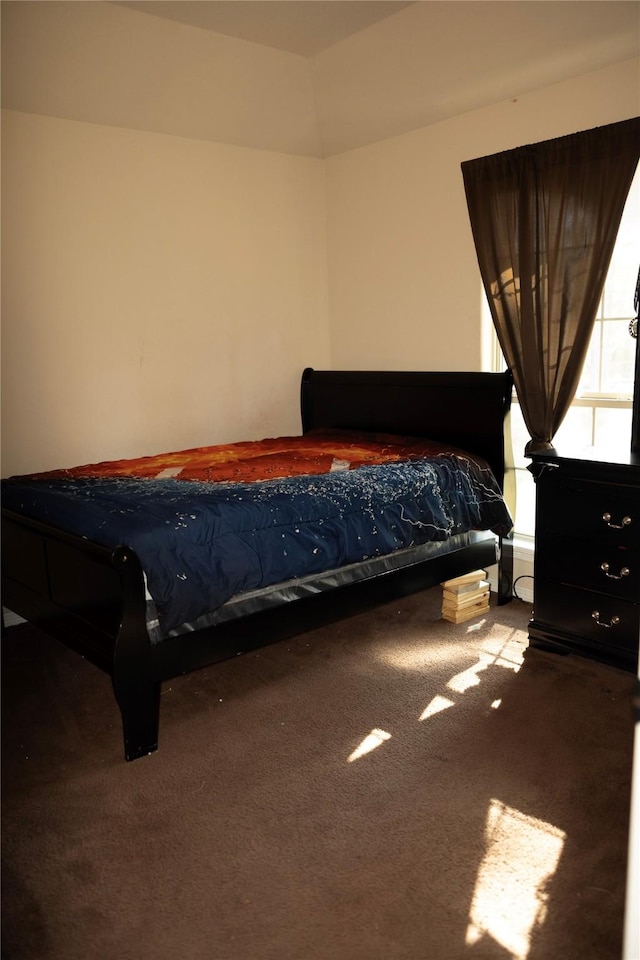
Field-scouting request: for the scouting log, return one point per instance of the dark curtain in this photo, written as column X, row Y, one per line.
column 544, row 219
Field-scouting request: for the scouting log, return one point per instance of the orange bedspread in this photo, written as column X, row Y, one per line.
column 270, row 459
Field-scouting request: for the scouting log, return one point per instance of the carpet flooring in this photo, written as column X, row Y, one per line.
column 391, row 787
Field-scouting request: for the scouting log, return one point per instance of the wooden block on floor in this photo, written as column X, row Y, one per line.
column 466, row 582
column 468, row 613
column 461, row 600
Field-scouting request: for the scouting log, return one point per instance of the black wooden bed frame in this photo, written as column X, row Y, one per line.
column 92, row 598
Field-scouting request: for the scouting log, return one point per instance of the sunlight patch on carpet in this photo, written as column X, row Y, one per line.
column 511, row 892
column 469, row 677
column 508, row 651
column 437, row 705
column 370, row 742
column 504, row 656
column 478, row 625
column 496, row 651
column 506, row 644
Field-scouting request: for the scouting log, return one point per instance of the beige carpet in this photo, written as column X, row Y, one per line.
column 393, row 787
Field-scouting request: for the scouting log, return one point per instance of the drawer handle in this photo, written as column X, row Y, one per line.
column 624, row 572
column 616, row 526
column 612, row 623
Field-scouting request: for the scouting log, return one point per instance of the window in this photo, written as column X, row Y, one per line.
column 600, row 415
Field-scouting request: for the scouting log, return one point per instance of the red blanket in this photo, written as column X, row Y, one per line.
column 317, row 452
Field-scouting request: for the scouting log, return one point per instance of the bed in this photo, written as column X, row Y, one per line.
column 394, row 485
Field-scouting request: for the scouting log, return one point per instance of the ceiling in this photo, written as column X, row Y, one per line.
column 305, row 77
column 305, row 28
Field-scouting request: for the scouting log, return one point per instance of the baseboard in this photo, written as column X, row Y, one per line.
column 523, row 568
column 522, row 571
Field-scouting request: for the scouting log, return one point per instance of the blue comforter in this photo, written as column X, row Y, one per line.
column 201, row 543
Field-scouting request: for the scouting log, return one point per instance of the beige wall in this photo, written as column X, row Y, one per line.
column 161, row 292
column 403, row 276
column 158, row 292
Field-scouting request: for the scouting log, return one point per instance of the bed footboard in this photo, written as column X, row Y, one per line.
column 136, row 688
column 139, row 701
column 91, row 599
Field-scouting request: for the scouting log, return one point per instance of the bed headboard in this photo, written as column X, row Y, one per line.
column 465, row 409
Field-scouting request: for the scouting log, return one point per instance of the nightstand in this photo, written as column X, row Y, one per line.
column 587, row 557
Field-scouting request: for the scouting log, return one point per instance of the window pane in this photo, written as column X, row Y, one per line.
column 623, row 270
column 519, row 437
column 525, row 518
column 590, row 378
column 613, row 428
column 609, row 366
column 618, row 353
column 576, row 431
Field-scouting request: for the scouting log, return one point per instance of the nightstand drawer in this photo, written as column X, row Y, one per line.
column 607, row 513
column 603, row 567
column 601, row 620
